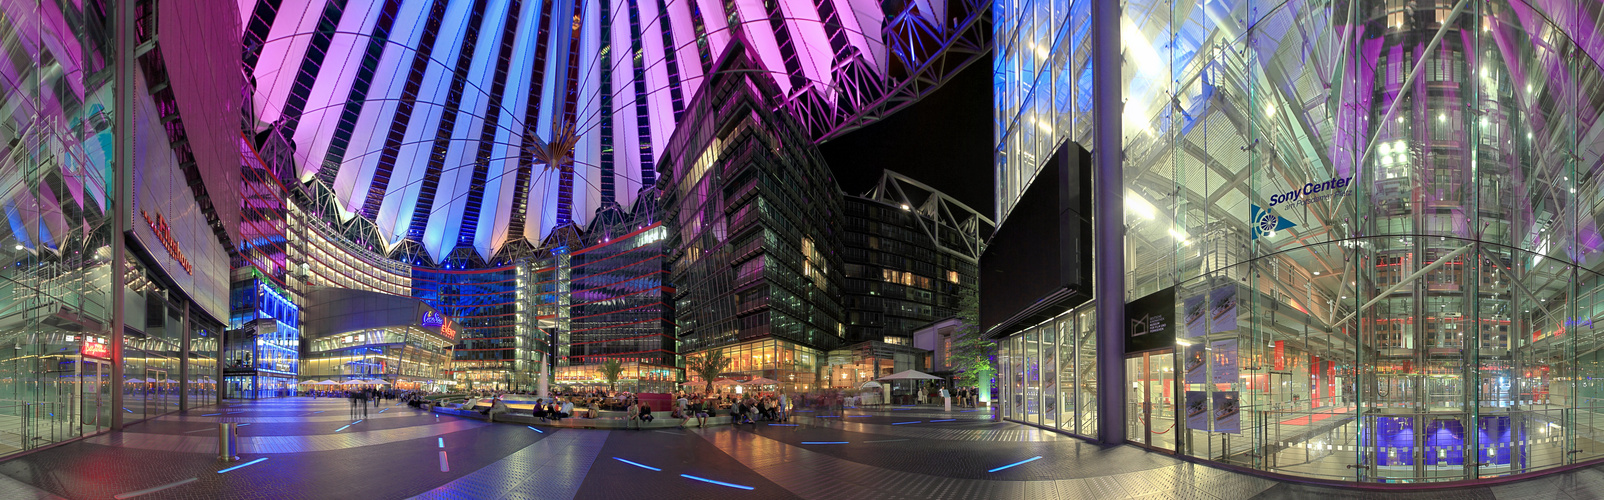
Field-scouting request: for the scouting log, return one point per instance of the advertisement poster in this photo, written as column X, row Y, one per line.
column 1194, row 361
column 1151, row 322
column 1222, row 309
column 1197, row 410
column 1196, row 314
column 1227, row 413
column 1222, row 354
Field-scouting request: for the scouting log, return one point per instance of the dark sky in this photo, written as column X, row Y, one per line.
column 944, row 140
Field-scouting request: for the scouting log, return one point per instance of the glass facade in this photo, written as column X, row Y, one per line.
column 1047, row 375
column 262, row 351
column 1400, row 198
column 797, row 367
column 756, row 219
column 621, row 308
column 406, row 358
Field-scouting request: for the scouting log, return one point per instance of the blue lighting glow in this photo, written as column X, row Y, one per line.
column 720, row 483
column 828, row 416
column 246, row 464
column 343, row 428
column 211, row 414
column 901, row 423
column 824, row 442
column 127, row 410
column 358, row 421
column 242, row 425
column 637, row 465
column 782, row 425
column 442, row 442
column 531, row 427
column 1022, row 462
column 946, row 420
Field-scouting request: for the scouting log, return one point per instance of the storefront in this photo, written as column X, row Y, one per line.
column 796, row 367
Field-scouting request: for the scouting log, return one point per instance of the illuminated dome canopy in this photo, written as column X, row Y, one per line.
column 472, row 123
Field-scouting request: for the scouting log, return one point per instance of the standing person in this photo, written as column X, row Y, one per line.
column 352, row 397
column 634, row 414
column 785, row 407
column 684, row 408
column 362, row 400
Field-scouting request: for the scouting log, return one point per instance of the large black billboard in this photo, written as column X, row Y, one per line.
column 1038, row 263
column 1150, row 322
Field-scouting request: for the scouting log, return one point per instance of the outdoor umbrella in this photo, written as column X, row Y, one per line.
column 870, row 385
column 723, row 382
column 134, row 381
column 761, row 381
column 910, row 375
column 328, row 382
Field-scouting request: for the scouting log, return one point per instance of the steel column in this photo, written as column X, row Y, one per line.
column 1108, row 221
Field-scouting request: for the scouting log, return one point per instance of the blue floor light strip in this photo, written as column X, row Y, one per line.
column 720, row 483
column 342, row 428
column 241, row 466
column 442, row 442
column 946, row 420
column 828, row 416
column 531, row 427
column 783, row 425
column 901, row 423
column 242, row 425
column 358, row 421
column 127, row 410
column 824, row 442
column 638, row 465
column 211, row 414
column 1022, row 462
column 382, row 411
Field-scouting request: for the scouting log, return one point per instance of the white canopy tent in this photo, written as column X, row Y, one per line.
column 910, row 375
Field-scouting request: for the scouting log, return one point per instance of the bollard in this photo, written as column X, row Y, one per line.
column 227, row 442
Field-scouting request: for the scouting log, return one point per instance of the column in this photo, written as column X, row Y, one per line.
column 1108, row 221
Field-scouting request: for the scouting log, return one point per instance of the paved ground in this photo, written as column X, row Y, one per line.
column 304, row 448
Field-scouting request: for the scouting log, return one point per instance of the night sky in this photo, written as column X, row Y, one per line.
column 944, row 140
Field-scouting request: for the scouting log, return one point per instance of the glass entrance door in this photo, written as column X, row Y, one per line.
column 1150, row 415
column 155, row 392
column 94, row 400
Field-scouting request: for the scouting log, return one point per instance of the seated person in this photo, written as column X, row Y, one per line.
column 645, row 413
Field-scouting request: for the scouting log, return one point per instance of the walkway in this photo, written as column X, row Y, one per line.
column 305, row 448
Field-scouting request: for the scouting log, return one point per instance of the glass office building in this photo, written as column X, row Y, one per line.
column 1375, row 224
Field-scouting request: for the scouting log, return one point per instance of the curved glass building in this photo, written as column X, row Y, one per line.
column 1373, row 227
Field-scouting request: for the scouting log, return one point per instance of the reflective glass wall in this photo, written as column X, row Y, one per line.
column 1384, row 213
column 55, row 162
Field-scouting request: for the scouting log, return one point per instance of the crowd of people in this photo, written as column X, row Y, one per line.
column 743, row 409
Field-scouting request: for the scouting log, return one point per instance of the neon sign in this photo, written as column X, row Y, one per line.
column 95, row 349
column 165, row 235
column 432, row 319
column 448, row 331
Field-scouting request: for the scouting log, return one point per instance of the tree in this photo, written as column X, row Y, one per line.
column 708, row 366
column 971, row 355
column 611, row 370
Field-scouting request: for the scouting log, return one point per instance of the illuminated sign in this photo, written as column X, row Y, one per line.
column 94, row 349
column 165, row 235
column 432, row 319
column 448, row 331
